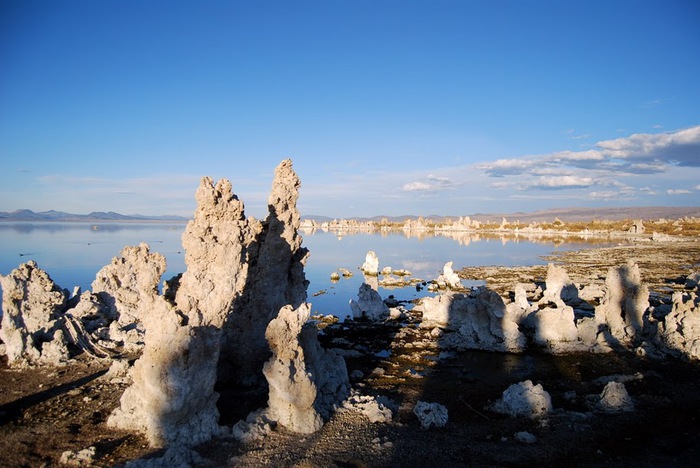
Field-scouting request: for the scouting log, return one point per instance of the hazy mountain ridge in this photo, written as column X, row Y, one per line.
column 53, row 215
column 571, row 214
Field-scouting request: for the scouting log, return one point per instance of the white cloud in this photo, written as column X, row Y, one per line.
column 563, row 182
column 604, row 195
column 416, row 187
column 501, row 185
column 430, row 183
column 502, row 167
column 442, row 181
column 677, row 191
column 681, row 147
column 590, row 155
column 612, row 170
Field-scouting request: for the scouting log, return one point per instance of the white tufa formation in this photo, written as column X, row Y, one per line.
column 371, row 265
column 31, row 304
column 524, row 399
column 369, row 305
column 306, row 382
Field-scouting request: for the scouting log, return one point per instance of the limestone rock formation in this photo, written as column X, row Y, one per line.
column 371, row 265
column 31, row 303
column 615, row 399
column 625, row 302
column 448, row 278
column 554, row 328
column 219, row 245
column 524, row 399
column 123, row 286
column 559, row 288
column 679, row 332
column 479, row 320
column 275, row 277
column 238, row 269
column 376, row 410
column 306, row 382
column 430, row 414
column 637, row 227
column 172, row 398
column 369, row 305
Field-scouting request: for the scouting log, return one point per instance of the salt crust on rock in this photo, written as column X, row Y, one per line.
column 81, row 458
column 524, row 399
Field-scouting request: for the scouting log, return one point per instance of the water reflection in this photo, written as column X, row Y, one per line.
column 72, row 253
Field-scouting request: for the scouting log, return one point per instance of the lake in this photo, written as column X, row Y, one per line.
column 72, row 254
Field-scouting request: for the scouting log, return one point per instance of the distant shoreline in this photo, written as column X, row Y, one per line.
column 96, row 221
column 570, row 214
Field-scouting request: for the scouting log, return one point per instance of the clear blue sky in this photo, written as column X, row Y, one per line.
column 385, row 107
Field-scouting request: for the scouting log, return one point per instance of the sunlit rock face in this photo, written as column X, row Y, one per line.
column 449, row 278
column 625, row 302
column 479, row 320
column 559, row 288
column 172, row 398
column 679, row 333
column 306, row 382
column 275, row 278
column 31, row 305
column 240, row 273
column 371, row 265
column 124, row 286
column 219, row 244
column 369, row 305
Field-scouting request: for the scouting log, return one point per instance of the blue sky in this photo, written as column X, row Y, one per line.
column 385, row 107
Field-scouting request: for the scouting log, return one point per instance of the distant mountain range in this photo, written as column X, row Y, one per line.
column 565, row 214
column 52, row 215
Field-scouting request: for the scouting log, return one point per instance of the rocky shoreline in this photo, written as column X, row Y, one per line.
column 225, row 367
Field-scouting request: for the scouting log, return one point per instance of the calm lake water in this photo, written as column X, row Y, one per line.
column 72, row 254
